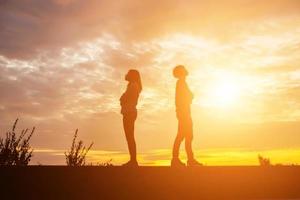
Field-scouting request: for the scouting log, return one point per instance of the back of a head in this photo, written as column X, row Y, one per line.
column 134, row 76
column 179, row 71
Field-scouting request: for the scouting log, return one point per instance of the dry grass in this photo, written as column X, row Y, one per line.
column 16, row 150
column 76, row 155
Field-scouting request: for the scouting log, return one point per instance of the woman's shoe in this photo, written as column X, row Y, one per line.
column 131, row 163
column 177, row 163
column 193, row 163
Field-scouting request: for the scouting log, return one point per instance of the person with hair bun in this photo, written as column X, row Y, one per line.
column 183, row 100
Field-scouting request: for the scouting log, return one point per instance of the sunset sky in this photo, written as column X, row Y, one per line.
column 62, row 67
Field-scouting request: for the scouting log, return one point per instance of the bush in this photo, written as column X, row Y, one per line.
column 264, row 161
column 16, row 150
column 76, row 156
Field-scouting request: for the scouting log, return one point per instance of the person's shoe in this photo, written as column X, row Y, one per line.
column 177, row 163
column 131, row 163
column 193, row 163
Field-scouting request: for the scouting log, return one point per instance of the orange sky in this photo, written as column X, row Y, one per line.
column 62, row 66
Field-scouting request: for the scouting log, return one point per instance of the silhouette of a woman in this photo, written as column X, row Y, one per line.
column 183, row 102
column 128, row 103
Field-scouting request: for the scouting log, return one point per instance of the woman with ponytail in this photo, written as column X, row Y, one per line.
column 128, row 102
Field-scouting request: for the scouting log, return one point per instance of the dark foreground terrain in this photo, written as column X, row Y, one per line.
column 155, row 183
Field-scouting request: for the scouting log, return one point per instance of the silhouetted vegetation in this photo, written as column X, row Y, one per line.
column 103, row 164
column 76, row 156
column 107, row 163
column 16, row 150
column 264, row 161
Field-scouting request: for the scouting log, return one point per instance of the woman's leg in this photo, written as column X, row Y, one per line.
column 128, row 124
column 179, row 138
column 188, row 128
column 188, row 143
column 188, row 148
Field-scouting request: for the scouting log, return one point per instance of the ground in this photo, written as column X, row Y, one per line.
column 155, row 183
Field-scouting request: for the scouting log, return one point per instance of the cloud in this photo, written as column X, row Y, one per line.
column 31, row 26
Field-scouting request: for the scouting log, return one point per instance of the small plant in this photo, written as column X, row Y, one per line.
column 107, row 163
column 264, row 161
column 103, row 164
column 16, row 150
column 76, row 156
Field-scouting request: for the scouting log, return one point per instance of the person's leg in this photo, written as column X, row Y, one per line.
column 176, row 147
column 179, row 138
column 188, row 143
column 188, row 128
column 188, row 148
column 128, row 123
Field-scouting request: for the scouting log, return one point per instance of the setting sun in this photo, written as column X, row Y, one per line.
column 223, row 91
column 226, row 93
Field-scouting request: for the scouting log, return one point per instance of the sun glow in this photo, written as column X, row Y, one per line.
column 224, row 91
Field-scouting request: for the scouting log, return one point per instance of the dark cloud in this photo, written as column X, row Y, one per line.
column 32, row 25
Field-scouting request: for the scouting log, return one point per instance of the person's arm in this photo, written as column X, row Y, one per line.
column 130, row 93
column 124, row 96
column 183, row 94
column 190, row 93
column 180, row 94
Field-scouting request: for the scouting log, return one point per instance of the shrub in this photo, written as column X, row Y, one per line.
column 76, row 156
column 264, row 161
column 16, row 150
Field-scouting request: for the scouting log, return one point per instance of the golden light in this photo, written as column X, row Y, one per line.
column 224, row 91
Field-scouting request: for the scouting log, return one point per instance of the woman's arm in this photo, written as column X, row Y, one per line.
column 130, row 94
